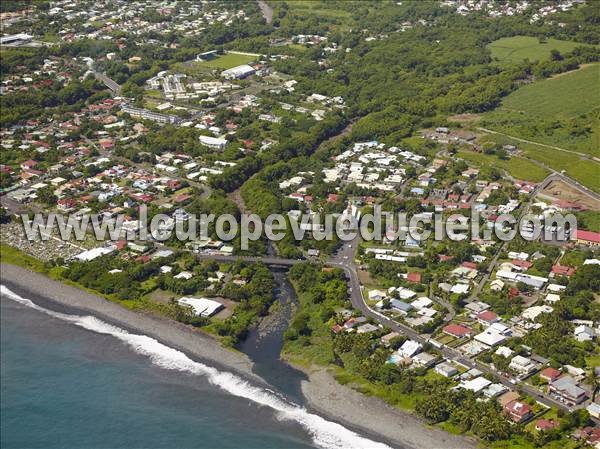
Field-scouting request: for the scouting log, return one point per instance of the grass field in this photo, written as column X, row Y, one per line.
column 516, row 167
column 589, row 220
column 316, row 8
column 570, row 94
column 509, row 50
column 562, row 111
column 583, row 170
column 228, row 61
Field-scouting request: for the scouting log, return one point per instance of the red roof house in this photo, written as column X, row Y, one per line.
column 518, row 411
column 182, row 198
column 587, row 238
column 487, row 317
column 560, row 270
column 456, row 330
column 414, row 278
column 30, row 163
column 524, row 264
column 550, row 374
column 545, row 424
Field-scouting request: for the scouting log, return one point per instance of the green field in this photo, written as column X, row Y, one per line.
column 583, row 170
column 516, row 167
column 562, row 111
column 228, row 61
column 517, row 48
column 316, row 8
column 567, row 95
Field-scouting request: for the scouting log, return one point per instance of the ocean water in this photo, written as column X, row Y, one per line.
column 73, row 381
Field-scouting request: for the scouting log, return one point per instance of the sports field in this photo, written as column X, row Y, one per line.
column 517, row 48
column 228, row 61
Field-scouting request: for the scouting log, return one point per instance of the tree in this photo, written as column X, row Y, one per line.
column 46, row 196
column 555, row 55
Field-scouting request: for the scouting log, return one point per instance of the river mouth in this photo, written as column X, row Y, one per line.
column 264, row 343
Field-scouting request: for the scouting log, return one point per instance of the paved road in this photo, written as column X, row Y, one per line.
column 346, row 263
column 358, row 302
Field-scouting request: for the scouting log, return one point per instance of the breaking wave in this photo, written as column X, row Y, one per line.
column 325, row 434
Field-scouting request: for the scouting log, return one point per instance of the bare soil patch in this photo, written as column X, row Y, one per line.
column 562, row 191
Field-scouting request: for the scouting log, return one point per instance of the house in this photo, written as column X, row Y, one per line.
column 508, row 397
column 522, row 365
column 504, row 351
column 533, row 312
column 28, row 164
column 424, row 359
column 494, row 390
column 409, row 348
column 565, row 388
column 587, row 238
column 594, row 410
column 445, row 369
column 353, row 322
column 66, row 204
column 377, row 295
column 589, row 434
column 366, row 328
column 552, row 298
column 313, row 253
column 550, row 374
column 216, row 143
column 496, row 285
column 387, row 338
column 185, row 275
column 414, row 278
column 491, row 337
column 543, row 425
column 400, row 306
column 336, row 328
column 518, row 411
column 560, row 270
column 584, row 333
column 522, row 265
column 487, row 318
column 475, row 385
column 457, row 330
column 202, row 306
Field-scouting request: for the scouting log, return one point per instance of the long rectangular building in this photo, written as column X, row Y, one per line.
column 150, row 115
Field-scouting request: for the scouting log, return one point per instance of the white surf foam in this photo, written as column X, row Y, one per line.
column 325, row 434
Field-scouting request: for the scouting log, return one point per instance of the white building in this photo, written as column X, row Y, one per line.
column 213, row 142
column 202, row 306
column 239, row 72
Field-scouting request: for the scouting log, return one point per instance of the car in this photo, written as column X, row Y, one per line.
column 350, row 245
column 345, row 257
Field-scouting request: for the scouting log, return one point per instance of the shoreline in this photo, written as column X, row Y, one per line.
column 326, row 396
column 367, row 415
column 171, row 333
